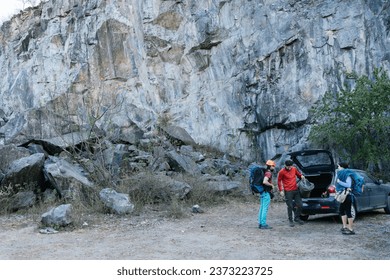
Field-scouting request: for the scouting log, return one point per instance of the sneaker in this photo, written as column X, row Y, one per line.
column 348, row 232
column 291, row 223
column 343, row 229
column 299, row 221
column 265, row 227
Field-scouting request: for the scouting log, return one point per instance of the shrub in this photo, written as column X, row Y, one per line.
column 355, row 122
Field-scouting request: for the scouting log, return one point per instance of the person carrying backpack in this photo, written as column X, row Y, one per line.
column 347, row 179
column 265, row 196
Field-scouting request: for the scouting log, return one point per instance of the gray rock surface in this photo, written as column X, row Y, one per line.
column 239, row 76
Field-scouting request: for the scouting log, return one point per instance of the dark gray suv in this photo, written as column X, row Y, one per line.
column 319, row 168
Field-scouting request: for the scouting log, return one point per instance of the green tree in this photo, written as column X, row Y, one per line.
column 355, row 122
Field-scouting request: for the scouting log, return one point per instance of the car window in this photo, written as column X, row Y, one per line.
column 367, row 178
column 317, row 159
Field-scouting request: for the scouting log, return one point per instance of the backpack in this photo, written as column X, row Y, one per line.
column 256, row 177
column 357, row 184
column 357, row 180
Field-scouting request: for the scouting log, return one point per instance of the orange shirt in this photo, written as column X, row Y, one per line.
column 287, row 179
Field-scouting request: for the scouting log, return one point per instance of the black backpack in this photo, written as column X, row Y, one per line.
column 256, row 177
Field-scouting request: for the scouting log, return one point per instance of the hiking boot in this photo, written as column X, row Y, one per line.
column 291, row 223
column 299, row 221
column 265, row 227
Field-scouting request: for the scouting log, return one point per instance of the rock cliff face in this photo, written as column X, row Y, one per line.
column 237, row 75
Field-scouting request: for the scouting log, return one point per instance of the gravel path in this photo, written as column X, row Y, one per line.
column 227, row 232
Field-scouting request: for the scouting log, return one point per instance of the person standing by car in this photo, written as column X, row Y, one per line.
column 288, row 188
column 344, row 181
column 265, row 196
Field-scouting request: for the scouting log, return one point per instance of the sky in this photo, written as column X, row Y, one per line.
column 9, row 8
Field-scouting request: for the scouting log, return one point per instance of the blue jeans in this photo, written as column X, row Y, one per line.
column 265, row 200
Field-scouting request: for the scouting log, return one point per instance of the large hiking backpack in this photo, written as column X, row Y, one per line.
column 357, row 184
column 357, row 180
column 256, row 177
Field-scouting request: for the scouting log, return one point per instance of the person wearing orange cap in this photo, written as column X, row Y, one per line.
column 288, row 188
column 265, row 196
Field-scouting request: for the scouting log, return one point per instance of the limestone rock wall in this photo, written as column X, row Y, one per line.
column 237, row 75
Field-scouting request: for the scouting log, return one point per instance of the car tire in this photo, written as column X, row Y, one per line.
column 387, row 208
column 304, row 217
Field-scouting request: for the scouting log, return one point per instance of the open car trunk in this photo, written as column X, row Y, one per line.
column 321, row 183
column 318, row 167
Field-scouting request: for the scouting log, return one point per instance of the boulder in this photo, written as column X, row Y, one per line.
column 58, row 216
column 118, row 203
column 69, row 180
column 57, row 144
column 23, row 200
column 24, row 174
column 180, row 163
column 178, row 134
column 10, row 153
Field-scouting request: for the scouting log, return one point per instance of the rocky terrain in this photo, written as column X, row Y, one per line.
column 239, row 76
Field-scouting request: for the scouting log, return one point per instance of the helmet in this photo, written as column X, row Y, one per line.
column 270, row 163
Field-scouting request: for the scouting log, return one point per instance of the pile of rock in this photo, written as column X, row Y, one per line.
column 58, row 171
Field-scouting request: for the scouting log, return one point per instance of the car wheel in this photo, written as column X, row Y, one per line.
column 304, row 217
column 387, row 208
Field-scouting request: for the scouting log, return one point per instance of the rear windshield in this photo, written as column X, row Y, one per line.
column 317, row 159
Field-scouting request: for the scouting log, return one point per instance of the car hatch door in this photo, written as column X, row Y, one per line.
column 313, row 161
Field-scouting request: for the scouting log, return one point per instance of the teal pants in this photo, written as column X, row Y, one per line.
column 265, row 200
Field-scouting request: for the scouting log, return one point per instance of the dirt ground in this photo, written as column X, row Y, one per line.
column 224, row 232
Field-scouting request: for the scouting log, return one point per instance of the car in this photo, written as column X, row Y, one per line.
column 319, row 167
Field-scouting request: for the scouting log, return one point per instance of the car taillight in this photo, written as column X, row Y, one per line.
column 331, row 189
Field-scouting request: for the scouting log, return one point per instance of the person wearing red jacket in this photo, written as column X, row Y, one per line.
column 288, row 188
